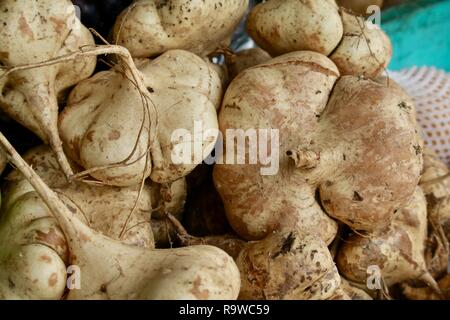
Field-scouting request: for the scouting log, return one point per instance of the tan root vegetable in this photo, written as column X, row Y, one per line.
column 287, row 266
column 398, row 250
column 111, row 269
column 360, row 6
column 356, row 145
column 33, row 250
column 150, row 27
column 283, row 26
column 34, row 32
column 240, row 61
column 108, row 126
column 425, row 293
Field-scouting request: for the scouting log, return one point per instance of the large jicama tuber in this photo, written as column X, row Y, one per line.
column 107, row 126
column 151, row 27
column 111, row 269
column 396, row 251
column 33, row 32
column 287, row 266
column 356, row 145
column 357, row 47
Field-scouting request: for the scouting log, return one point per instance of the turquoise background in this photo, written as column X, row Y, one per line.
column 420, row 33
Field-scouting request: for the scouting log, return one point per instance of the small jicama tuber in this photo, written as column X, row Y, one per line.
column 283, row 26
column 396, row 251
column 111, row 269
column 351, row 139
column 287, row 266
column 33, row 32
column 110, row 128
column 150, row 27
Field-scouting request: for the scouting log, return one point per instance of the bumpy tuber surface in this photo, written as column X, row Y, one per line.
column 283, row 26
column 107, row 126
column 150, row 27
column 113, row 270
column 398, row 250
column 351, row 139
column 32, row 32
column 287, row 266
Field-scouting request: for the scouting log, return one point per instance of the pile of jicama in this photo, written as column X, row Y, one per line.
column 336, row 198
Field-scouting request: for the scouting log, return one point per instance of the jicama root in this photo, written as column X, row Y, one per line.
column 363, row 169
column 148, row 27
column 283, row 26
column 111, row 269
column 397, row 251
column 108, row 129
column 33, row 32
column 287, row 266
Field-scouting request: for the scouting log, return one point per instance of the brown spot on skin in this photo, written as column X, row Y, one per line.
column 24, row 28
column 114, row 135
column 53, row 279
column 46, row 258
column 199, row 294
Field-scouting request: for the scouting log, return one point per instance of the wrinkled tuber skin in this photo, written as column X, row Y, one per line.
column 357, row 145
column 106, row 123
column 363, row 50
column 283, row 26
column 33, row 249
column 149, row 27
column 171, row 199
column 236, row 63
column 398, row 250
column 287, row 266
column 33, row 32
